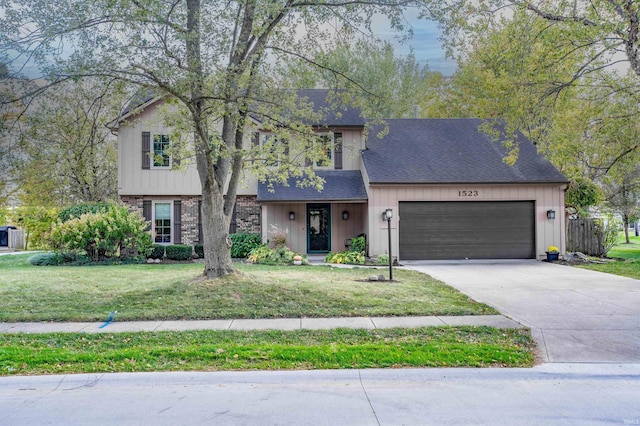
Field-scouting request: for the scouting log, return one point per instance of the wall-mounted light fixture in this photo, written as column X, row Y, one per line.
column 551, row 214
column 345, row 215
column 387, row 214
column 292, row 216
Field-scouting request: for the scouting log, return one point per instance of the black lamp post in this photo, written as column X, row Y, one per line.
column 387, row 215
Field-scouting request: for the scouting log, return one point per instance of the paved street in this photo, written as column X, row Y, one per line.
column 575, row 315
column 550, row 394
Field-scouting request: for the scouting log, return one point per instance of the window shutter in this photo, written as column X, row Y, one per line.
column 286, row 150
column 177, row 222
column 146, row 149
column 200, row 221
column 255, row 139
column 146, row 212
column 337, row 161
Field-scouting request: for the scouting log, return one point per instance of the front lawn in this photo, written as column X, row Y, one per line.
column 175, row 291
column 626, row 259
column 265, row 350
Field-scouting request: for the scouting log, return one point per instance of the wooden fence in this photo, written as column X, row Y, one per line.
column 585, row 236
column 16, row 239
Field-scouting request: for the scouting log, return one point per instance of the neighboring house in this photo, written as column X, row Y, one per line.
column 451, row 193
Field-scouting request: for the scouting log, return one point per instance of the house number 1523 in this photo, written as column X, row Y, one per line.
column 470, row 193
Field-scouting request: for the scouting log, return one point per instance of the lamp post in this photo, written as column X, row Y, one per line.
column 387, row 215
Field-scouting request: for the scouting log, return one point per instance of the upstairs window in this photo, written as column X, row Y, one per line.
column 161, row 159
column 331, row 146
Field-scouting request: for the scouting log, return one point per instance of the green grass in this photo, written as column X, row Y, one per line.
column 626, row 258
column 175, row 291
column 264, row 350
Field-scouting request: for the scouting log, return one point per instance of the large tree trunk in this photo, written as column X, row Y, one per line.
column 215, row 231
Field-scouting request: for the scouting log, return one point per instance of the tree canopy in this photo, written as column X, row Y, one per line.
column 219, row 60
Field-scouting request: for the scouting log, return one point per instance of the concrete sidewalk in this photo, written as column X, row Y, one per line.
column 370, row 323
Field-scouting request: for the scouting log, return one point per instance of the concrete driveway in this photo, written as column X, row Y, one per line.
column 575, row 315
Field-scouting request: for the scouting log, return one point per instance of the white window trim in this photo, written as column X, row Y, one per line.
column 153, row 153
column 153, row 220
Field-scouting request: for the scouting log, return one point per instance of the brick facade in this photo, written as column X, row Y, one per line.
column 248, row 214
column 247, row 218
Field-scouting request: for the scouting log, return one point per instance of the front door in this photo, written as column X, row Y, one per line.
column 318, row 228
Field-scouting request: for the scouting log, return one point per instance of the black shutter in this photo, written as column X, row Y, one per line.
column 146, row 212
column 255, row 139
column 338, row 151
column 200, row 221
column 286, row 150
column 177, row 222
column 146, row 149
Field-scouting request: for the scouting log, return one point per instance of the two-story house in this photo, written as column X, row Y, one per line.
column 451, row 194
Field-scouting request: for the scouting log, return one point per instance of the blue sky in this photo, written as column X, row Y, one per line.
column 425, row 43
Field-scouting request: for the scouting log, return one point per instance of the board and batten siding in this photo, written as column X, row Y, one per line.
column 545, row 196
column 134, row 180
column 277, row 216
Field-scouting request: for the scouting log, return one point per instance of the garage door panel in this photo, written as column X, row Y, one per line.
column 473, row 230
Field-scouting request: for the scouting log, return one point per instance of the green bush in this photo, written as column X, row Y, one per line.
column 116, row 233
column 346, row 257
column 383, row 259
column 179, row 252
column 243, row 243
column 358, row 244
column 37, row 222
column 78, row 210
column 199, row 250
column 157, row 251
column 265, row 255
column 52, row 259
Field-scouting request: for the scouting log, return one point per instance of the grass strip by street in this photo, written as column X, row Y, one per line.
column 24, row 354
column 175, row 291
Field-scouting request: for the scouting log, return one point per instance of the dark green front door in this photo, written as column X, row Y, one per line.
column 318, row 228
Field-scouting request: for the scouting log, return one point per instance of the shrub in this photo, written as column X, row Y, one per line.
column 51, row 259
column 358, row 244
column 116, row 233
column 383, row 259
column 157, row 251
column 265, row 255
column 199, row 250
column 345, row 257
column 37, row 222
column 243, row 243
column 78, row 210
column 179, row 252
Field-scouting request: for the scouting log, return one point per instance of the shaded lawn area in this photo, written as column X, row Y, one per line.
column 627, row 259
column 175, row 291
column 265, row 350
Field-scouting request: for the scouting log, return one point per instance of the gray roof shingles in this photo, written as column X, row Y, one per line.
column 340, row 185
column 450, row 151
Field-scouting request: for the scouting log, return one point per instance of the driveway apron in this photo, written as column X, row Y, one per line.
column 575, row 315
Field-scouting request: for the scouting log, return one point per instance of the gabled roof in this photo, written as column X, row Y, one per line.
column 450, row 151
column 334, row 112
column 340, row 185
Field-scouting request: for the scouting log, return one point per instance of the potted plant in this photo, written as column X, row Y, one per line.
column 297, row 260
column 552, row 253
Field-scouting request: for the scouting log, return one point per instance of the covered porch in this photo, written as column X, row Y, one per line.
column 316, row 222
